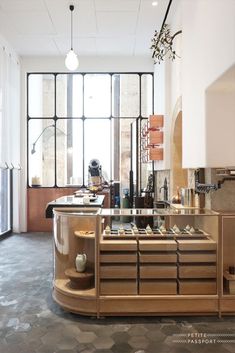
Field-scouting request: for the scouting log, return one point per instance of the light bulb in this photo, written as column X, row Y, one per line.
column 71, row 61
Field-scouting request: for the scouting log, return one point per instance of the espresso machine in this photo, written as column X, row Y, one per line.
column 95, row 179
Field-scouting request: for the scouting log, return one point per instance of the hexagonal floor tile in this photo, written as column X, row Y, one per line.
column 86, row 337
column 103, row 342
column 156, row 336
column 138, row 342
column 137, row 330
column 122, row 348
column 120, row 337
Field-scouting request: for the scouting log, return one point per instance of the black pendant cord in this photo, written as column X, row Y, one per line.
column 71, row 7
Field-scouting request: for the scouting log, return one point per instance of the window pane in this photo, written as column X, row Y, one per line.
column 5, row 201
column 41, row 152
column 146, row 95
column 69, row 95
column 145, row 168
column 69, row 151
column 125, row 95
column 97, row 95
column 98, row 145
column 134, row 154
column 41, row 95
column 125, row 153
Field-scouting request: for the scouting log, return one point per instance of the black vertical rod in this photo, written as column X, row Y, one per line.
column 55, row 120
column 83, row 130
column 27, row 129
column 165, row 17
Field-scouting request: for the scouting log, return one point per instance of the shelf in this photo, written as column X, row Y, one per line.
column 62, row 285
column 84, row 234
column 229, row 276
column 79, row 280
column 229, row 282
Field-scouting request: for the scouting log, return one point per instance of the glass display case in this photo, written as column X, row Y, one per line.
column 228, row 263
column 75, row 263
column 137, row 261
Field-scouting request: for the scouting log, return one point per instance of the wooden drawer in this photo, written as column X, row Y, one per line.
column 200, row 271
column 118, row 245
column 118, row 257
column 115, row 271
column 196, row 257
column 115, row 287
column 156, row 257
column 197, row 287
column 157, row 287
column 152, row 271
column 196, row 244
column 157, row 245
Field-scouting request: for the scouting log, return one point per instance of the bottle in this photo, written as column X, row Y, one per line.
column 125, row 204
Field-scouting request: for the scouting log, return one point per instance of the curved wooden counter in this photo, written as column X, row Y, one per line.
column 142, row 274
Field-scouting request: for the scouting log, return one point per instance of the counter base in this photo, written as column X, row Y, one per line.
column 86, row 303
column 82, row 302
column 159, row 305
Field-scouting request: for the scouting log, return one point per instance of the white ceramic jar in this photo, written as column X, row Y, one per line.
column 80, row 262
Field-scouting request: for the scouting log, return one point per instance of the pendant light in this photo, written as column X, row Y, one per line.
column 71, row 60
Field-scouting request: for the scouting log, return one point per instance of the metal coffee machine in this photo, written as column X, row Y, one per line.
column 95, row 179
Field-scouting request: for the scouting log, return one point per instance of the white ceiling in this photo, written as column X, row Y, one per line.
column 101, row 27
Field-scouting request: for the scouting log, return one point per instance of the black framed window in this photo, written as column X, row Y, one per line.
column 75, row 117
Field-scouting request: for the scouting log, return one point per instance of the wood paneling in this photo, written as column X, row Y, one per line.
column 163, row 305
column 37, row 199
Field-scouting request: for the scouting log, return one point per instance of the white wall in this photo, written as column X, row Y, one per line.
column 220, row 121
column 89, row 64
column 167, row 85
column 208, row 50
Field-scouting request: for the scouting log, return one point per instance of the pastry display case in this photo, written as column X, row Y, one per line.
column 228, row 263
column 167, row 266
column 75, row 260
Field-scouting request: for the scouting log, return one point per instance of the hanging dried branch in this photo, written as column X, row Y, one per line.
column 162, row 44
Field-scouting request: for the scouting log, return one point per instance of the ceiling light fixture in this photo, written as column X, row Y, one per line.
column 71, row 60
column 154, row 3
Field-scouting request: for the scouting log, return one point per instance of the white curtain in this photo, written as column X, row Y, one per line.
column 10, row 122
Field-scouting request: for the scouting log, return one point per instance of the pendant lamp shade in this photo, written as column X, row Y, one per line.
column 71, row 60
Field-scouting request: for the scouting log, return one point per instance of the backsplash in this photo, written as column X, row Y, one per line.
column 222, row 199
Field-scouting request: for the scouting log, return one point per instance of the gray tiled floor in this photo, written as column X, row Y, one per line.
column 30, row 322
